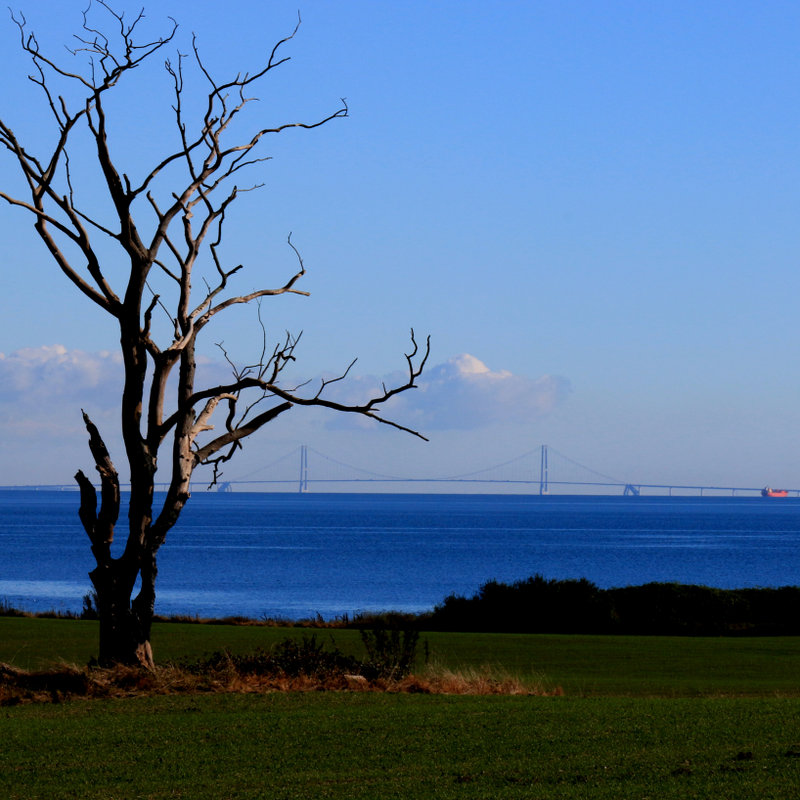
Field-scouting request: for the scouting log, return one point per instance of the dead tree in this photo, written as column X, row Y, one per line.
column 165, row 234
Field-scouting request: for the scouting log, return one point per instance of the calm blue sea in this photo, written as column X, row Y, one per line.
column 294, row 556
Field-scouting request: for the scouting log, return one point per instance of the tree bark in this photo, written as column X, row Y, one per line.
column 124, row 626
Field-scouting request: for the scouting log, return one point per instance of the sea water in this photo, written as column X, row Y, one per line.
column 301, row 555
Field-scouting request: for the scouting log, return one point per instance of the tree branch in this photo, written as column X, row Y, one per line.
column 99, row 525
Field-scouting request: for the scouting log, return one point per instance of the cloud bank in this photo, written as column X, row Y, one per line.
column 463, row 394
column 460, row 394
column 42, row 389
column 54, row 372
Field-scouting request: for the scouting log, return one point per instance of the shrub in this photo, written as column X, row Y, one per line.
column 291, row 658
column 391, row 652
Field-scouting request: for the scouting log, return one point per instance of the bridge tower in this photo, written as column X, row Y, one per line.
column 303, row 469
column 543, row 488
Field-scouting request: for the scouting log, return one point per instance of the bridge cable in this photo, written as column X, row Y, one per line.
column 357, row 469
column 588, row 469
column 280, row 460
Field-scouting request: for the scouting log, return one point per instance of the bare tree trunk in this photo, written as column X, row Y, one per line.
column 142, row 609
column 124, row 626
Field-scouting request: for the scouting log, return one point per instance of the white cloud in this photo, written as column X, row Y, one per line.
column 42, row 392
column 52, row 374
column 463, row 393
column 460, row 394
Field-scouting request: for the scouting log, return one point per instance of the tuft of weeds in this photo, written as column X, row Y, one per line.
column 7, row 610
column 89, row 608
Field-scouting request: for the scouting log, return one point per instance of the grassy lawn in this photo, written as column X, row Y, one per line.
column 381, row 746
column 642, row 717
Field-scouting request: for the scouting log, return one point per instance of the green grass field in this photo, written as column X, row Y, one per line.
column 642, row 717
column 407, row 746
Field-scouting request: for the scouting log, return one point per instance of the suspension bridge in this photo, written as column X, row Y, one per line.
column 542, row 470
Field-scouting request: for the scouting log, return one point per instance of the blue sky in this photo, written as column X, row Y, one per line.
column 592, row 207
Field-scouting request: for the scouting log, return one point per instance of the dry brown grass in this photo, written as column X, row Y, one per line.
column 70, row 681
column 486, row 680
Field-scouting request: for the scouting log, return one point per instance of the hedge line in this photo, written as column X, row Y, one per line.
column 539, row 605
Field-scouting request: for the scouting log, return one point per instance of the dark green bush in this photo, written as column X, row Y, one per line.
column 538, row 605
column 534, row 605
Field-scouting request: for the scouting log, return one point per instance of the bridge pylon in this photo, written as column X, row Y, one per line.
column 543, row 488
column 303, row 487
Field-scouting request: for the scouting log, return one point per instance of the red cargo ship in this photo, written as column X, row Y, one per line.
column 767, row 492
